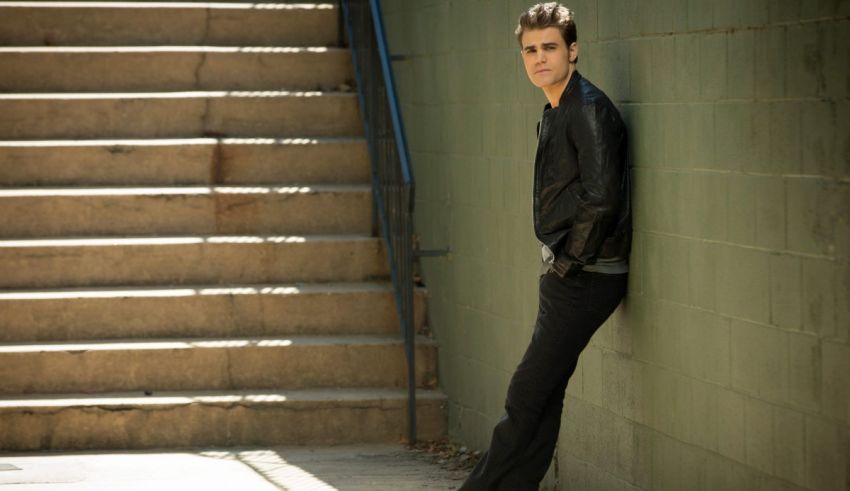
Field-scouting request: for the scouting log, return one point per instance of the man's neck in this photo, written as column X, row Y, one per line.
column 553, row 92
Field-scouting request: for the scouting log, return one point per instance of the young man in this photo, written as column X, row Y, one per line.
column 582, row 216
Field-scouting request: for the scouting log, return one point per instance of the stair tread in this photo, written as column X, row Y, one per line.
column 181, row 141
column 216, row 397
column 206, row 343
column 166, row 240
column 174, row 49
column 185, row 290
column 17, row 191
column 235, row 5
column 184, row 94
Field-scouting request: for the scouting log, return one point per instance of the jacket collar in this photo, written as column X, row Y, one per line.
column 575, row 78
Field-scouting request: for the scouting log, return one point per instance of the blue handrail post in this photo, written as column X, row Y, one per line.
column 392, row 177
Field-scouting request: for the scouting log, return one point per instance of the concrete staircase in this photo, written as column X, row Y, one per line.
column 186, row 255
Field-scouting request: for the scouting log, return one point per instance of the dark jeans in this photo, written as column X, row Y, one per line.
column 571, row 310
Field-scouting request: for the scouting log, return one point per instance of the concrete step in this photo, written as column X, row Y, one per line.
column 179, row 114
column 196, row 419
column 132, row 261
column 199, row 210
column 167, row 68
column 167, row 23
column 184, row 161
column 293, row 362
column 203, row 311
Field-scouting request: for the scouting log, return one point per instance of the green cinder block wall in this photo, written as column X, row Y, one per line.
column 728, row 366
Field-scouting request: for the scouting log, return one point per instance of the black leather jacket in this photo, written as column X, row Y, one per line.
column 581, row 193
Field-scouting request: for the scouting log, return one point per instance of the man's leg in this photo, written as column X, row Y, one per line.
column 571, row 310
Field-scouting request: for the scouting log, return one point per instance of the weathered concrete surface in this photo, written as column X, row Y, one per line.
column 184, row 161
column 293, row 362
column 179, row 114
column 195, row 419
column 182, row 24
column 201, row 311
column 116, row 69
column 375, row 467
column 122, row 261
column 290, row 210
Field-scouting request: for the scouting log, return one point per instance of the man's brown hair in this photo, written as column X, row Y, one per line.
column 549, row 14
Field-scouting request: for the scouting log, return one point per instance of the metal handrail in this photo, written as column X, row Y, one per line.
column 392, row 176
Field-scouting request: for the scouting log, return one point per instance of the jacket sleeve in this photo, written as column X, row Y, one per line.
column 599, row 138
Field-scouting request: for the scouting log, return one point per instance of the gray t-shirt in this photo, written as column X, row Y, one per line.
column 600, row 266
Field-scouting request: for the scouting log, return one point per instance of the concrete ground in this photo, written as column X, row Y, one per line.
column 354, row 467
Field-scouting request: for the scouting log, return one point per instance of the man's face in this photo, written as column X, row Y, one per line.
column 546, row 57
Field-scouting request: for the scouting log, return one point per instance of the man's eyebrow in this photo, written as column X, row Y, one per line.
column 550, row 43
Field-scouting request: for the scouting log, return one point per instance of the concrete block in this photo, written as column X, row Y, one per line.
column 811, row 215
column 706, row 340
column 713, row 67
column 700, row 15
column 741, row 137
column 710, row 196
column 703, row 258
column 770, row 63
column 826, row 454
column 642, row 70
column 623, row 387
column 804, row 371
column 608, row 19
column 663, row 50
column 703, row 423
column 701, row 135
column 817, row 9
column 804, row 69
column 612, row 70
column 729, row 14
column 836, row 380
column 834, row 77
column 820, row 141
column 741, row 58
column 819, row 297
column 785, row 148
column 741, row 210
column 671, row 403
column 676, row 147
column 719, row 473
column 647, row 135
column 759, row 361
column 789, row 436
column 842, row 309
column 786, row 291
column 771, row 222
column 666, row 266
column 668, row 335
column 686, row 56
column 782, row 11
column 606, row 440
column 591, row 385
column 760, row 438
column 584, row 476
column 743, row 283
column 731, row 412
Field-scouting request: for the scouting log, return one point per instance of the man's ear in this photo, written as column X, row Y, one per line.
column 573, row 52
